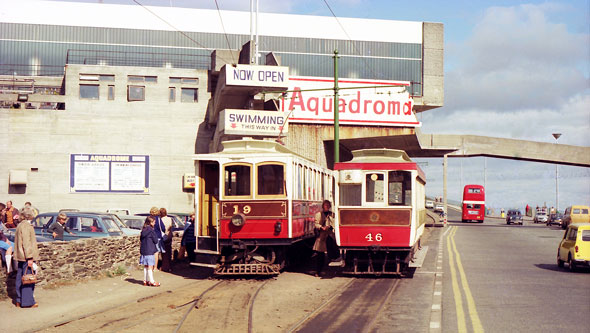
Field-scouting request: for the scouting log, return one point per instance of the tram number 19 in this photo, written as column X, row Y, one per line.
column 378, row 237
column 246, row 209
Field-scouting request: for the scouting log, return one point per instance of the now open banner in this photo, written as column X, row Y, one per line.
column 361, row 102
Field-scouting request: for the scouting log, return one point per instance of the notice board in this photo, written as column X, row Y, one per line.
column 109, row 173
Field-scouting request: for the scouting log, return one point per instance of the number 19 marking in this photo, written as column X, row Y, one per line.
column 378, row 237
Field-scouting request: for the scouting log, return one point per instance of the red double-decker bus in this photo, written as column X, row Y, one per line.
column 474, row 208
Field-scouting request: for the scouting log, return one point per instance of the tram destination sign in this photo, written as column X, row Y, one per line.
column 360, row 102
column 256, row 75
column 253, row 122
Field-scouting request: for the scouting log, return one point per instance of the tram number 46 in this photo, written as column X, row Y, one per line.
column 378, row 237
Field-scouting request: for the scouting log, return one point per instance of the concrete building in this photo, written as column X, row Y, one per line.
column 103, row 106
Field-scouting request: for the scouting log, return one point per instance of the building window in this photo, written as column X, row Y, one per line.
column 139, row 78
column 171, row 94
column 189, row 80
column 104, row 77
column 189, row 95
column 89, row 91
column 97, row 77
column 111, row 93
column 135, row 93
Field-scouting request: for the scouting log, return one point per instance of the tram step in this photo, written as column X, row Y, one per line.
column 419, row 256
column 248, row 269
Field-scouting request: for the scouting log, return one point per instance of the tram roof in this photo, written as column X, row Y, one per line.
column 249, row 147
column 379, row 156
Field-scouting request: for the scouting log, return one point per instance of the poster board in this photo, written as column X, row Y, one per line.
column 109, row 173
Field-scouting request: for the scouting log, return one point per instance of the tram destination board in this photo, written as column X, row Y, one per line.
column 257, row 209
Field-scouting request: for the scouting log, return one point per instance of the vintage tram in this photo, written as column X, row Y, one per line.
column 381, row 212
column 253, row 201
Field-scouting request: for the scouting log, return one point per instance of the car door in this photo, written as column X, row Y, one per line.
column 569, row 241
column 41, row 223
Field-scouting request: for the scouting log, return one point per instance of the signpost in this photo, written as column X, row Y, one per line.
column 252, row 122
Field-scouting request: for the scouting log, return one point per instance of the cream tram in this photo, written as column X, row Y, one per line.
column 381, row 211
column 253, row 201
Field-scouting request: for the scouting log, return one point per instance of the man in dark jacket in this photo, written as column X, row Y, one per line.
column 57, row 228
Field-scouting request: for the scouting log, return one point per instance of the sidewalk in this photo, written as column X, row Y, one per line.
column 74, row 301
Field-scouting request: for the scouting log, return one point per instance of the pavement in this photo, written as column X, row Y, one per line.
column 71, row 302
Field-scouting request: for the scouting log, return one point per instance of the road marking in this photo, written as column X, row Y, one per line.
column 434, row 324
column 435, row 306
column 461, row 326
column 475, row 321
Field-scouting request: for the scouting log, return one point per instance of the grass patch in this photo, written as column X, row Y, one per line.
column 120, row 270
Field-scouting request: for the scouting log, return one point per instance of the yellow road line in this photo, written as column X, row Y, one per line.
column 475, row 321
column 461, row 326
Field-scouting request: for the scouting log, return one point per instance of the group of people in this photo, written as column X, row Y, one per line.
column 156, row 241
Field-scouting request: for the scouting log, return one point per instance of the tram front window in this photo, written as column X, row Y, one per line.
column 271, row 179
column 237, row 180
column 374, row 187
column 399, row 188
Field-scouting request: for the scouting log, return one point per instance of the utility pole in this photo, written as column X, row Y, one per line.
column 336, row 112
column 485, row 175
column 556, row 136
column 445, row 163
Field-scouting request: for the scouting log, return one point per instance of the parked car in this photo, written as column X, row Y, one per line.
column 555, row 218
column 126, row 230
column 439, row 207
column 133, row 221
column 574, row 248
column 429, row 204
column 514, row 216
column 184, row 217
column 119, row 211
column 575, row 214
column 540, row 217
column 83, row 225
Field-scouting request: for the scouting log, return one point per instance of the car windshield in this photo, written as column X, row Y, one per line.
column 118, row 221
column 110, row 224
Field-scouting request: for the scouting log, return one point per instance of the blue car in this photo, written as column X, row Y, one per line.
column 81, row 224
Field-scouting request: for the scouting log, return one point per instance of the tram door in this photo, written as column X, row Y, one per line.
column 208, row 205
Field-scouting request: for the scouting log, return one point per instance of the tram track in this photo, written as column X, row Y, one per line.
column 355, row 309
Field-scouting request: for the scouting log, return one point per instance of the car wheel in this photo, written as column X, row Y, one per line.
column 559, row 261
column 571, row 264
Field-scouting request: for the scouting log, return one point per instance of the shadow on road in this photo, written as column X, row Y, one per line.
column 554, row 267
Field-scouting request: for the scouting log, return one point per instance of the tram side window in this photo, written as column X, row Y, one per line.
column 271, row 179
column 237, row 180
column 399, row 188
column 375, row 188
column 350, row 195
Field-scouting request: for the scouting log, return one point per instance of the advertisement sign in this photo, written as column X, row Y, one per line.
column 253, row 122
column 109, row 173
column 189, row 181
column 366, row 103
column 257, row 75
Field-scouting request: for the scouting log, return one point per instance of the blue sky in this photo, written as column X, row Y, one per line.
column 513, row 69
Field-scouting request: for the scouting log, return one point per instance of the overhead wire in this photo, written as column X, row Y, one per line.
column 351, row 41
column 223, row 28
column 180, row 31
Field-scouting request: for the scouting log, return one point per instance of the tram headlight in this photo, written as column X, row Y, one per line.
column 238, row 220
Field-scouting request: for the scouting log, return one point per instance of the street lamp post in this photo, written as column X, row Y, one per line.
column 556, row 136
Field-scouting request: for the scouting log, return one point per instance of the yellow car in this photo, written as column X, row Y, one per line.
column 575, row 246
column 575, row 214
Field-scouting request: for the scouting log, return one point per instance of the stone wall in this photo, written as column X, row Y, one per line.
column 88, row 257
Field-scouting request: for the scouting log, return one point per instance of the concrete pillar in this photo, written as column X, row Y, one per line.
column 445, row 164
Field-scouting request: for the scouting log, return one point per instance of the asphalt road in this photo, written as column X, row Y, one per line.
column 504, row 278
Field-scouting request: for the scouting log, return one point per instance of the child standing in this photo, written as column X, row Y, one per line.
column 147, row 249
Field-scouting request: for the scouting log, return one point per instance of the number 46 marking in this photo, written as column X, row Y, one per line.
column 378, row 237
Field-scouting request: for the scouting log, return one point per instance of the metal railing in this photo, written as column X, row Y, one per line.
column 138, row 59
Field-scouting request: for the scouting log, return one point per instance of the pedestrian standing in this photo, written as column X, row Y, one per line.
column 57, row 228
column 167, row 240
column 10, row 215
column 7, row 248
column 188, row 241
column 324, row 222
column 26, row 253
column 147, row 250
column 155, row 214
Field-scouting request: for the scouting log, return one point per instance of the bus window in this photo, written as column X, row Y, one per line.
column 399, row 188
column 271, row 179
column 473, row 190
column 350, row 195
column 237, row 180
column 374, row 187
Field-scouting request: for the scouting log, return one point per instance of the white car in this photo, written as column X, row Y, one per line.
column 439, row 207
column 429, row 204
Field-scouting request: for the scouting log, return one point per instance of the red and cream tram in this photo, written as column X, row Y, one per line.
column 253, row 201
column 381, row 211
